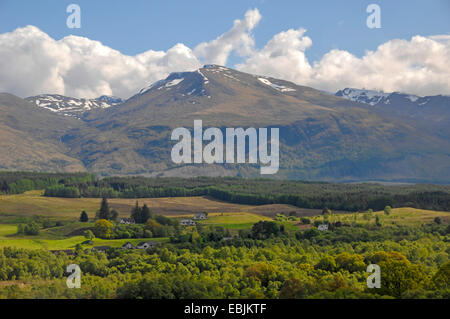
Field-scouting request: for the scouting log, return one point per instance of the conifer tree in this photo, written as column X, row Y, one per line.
column 84, row 217
column 104, row 212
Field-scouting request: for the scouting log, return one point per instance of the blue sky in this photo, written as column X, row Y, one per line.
column 133, row 27
column 123, row 46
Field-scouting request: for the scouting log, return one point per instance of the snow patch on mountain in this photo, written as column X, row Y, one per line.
column 364, row 96
column 70, row 106
column 277, row 87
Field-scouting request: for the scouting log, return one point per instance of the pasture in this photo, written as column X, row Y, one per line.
column 406, row 216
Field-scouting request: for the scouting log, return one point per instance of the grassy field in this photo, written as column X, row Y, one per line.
column 237, row 220
column 15, row 208
column 401, row 216
column 33, row 203
column 57, row 238
column 68, row 243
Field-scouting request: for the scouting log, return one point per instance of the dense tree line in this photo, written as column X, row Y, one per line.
column 346, row 197
column 19, row 182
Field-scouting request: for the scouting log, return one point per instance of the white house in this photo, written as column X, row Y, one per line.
column 146, row 244
column 187, row 222
column 127, row 221
column 127, row 245
column 323, row 227
column 200, row 216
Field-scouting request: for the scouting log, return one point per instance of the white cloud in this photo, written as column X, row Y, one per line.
column 420, row 66
column 31, row 62
column 238, row 39
column 282, row 57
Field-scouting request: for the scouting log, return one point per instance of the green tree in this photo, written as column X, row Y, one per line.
column 88, row 234
column 104, row 212
column 377, row 221
column 350, row 262
column 114, row 215
column 32, row 229
column 136, row 213
column 398, row 275
column 387, row 210
column 293, row 289
column 442, row 277
column 84, row 217
column 103, row 228
column 153, row 226
column 145, row 214
column 327, row 263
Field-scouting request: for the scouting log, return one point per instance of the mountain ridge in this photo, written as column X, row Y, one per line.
column 322, row 136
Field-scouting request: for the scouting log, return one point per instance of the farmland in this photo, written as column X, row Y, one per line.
column 14, row 209
column 33, row 203
column 230, row 249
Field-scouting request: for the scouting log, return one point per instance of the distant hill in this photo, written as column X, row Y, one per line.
column 30, row 138
column 322, row 137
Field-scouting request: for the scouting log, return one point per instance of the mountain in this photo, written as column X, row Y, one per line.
column 30, row 138
column 70, row 106
column 428, row 110
column 322, row 136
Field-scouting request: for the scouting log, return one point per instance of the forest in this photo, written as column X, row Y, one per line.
column 413, row 262
column 345, row 197
column 284, row 256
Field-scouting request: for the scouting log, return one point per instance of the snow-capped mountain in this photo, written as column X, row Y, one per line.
column 430, row 110
column 322, row 136
column 70, row 106
column 195, row 83
column 382, row 98
column 363, row 96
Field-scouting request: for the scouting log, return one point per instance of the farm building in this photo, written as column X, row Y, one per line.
column 128, row 245
column 200, row 216
column 146, row 244
column 187, row 222
column 127, row 221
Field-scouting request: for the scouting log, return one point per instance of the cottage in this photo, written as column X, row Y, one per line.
column 146, row 244
column 127, row 221
column 187, row 222
column 323, row 227
column 102, row 249
column 128, row 245
column 200, row 216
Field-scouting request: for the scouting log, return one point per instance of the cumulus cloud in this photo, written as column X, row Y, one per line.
column 420, row 66
column 282, row 57
column 31, row 62
column 238, row 39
